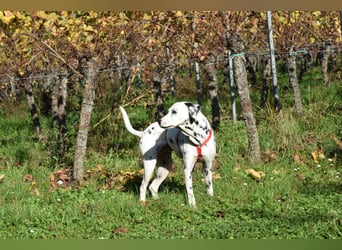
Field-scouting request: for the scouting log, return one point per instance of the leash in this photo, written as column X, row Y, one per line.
column 199, row 148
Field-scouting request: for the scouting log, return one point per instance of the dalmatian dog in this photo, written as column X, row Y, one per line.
column 187, row 132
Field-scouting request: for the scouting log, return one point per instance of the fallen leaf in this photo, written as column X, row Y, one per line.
column 215, row 176
column 35, row 192
column 310, row 139
column 296, row 158
column 300, row 177
column 2, row 176
column 318, row 154
column 120, row 230
column 52, row 181
column 256, row 175
column 220, row 214
column 27, row 178
column 60, row 178
column 338, row 141
column 276, row 172
column 269, row 156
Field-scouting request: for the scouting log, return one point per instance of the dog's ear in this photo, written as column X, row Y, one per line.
column 193, row 108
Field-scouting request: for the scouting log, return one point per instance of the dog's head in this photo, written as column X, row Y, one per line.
column 180, row 113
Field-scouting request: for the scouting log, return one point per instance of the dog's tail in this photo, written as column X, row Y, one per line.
column 128, row 124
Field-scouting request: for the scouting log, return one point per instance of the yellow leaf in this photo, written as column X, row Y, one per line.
column 256, row 175
column 64, row 13
column 6, row 16
column 42, row 14
column 281, row 19
column 179, row 13
column 147, row 17
column 21, row 72
column 2, row 176
column 52, row 17
column 93, row 14
column 316, row 13
column 123, row 16
column 89, row 28
column 318, row 154
column 8, row 13
column 254, row 29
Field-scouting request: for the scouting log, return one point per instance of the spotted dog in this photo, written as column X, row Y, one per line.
column 187, row 132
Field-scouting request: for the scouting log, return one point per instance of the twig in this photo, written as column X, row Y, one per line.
column 137, row 98
column 124, row 105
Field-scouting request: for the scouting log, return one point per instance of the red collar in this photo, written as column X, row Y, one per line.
column 199, row 148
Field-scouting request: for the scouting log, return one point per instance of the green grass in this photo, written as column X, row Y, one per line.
column 296, row 199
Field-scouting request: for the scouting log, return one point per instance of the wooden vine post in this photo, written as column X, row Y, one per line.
column 266, row 76
column 197, row 69
column 33, row 109
column 210, row 71
column 170, row 69
column 86, row 110
column 326, row 50
column 235, row 44
column 232, row 87
column 157, row 82
column 58, row 102
column 291, row 60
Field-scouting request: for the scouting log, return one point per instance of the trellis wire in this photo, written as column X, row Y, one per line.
column 305, row 48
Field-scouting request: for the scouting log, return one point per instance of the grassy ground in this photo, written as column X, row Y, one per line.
column 297, row 198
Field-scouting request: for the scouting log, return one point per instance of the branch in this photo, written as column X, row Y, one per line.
column 312, row 33
column 52, row 51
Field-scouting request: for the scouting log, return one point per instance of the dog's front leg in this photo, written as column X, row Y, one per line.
column 207, row 172
column 188, row 166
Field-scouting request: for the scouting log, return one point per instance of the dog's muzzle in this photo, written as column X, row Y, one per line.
column 162, row 124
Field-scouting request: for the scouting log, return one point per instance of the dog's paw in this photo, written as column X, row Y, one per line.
column 154, row 193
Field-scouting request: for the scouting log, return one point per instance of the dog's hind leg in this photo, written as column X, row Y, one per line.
column 148, row 171
column 164, row 164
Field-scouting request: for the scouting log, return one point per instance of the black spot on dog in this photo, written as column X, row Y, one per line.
column 189, row 128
